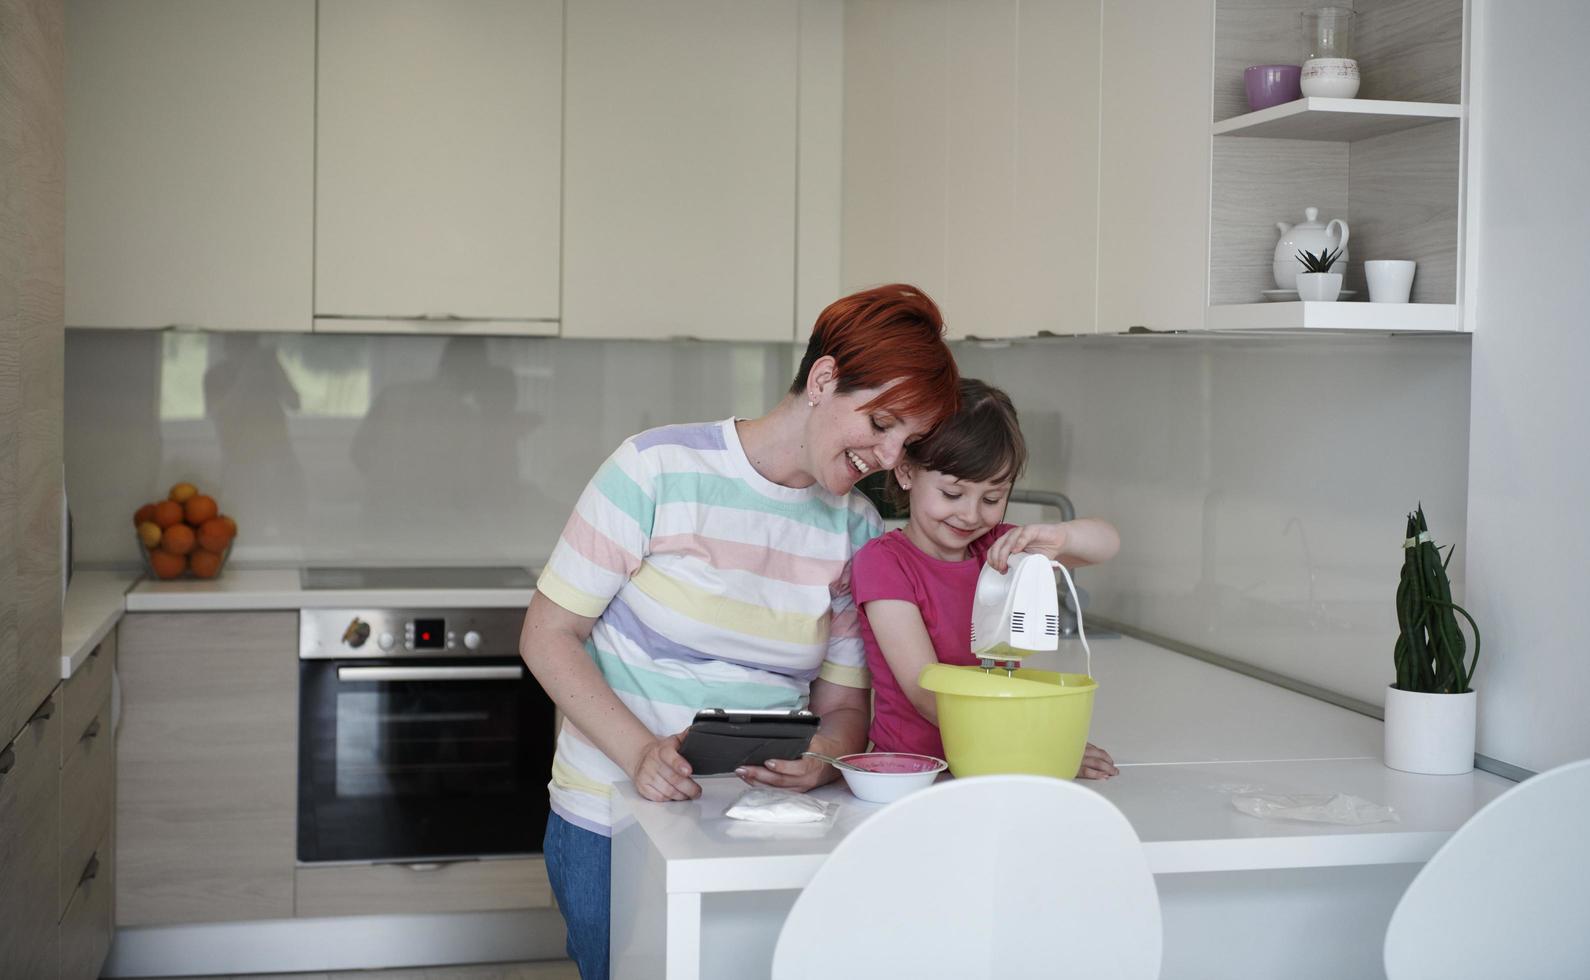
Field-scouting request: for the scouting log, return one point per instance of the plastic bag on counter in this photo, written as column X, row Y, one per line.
column 779, row 806
column 1337, row 808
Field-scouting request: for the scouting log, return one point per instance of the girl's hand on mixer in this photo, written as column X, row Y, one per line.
column 1096, row 764
column 1084, row 541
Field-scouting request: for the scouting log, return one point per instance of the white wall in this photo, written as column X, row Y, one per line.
column 1260, row 485
column 1529, row 455
column 376, row 449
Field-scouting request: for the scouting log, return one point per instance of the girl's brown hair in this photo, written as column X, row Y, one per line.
column 980, row 443
column 889, row 333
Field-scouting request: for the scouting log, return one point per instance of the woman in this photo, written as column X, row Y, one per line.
column 708, row 566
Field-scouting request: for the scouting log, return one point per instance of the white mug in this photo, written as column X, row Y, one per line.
column 1390, row 280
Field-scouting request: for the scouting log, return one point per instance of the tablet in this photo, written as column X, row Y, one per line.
column 723, row 739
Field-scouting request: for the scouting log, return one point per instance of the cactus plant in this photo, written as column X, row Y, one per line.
column 1429, row 648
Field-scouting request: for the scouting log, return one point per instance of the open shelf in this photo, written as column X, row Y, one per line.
column 1374, row 317
column 1336, row 120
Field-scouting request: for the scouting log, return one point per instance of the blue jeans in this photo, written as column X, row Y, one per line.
column 579, row 864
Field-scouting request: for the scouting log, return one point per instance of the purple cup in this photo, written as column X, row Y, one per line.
column 1270, row 85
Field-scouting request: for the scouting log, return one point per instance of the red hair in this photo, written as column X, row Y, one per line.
column 888, row 333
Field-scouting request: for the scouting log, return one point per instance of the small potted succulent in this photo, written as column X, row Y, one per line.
column 1430, row 709
column 1317, row 283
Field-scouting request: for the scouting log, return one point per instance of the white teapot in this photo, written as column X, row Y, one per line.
column 1306, row 236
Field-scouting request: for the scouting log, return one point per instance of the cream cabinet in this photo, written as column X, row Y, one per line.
column 680, row 169
column 190, row 163
column 437, row 165
column 206, row 778
column 1154, row 146
column 971, row 159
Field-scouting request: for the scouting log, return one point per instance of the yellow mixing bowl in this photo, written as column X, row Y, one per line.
column 1033, row 722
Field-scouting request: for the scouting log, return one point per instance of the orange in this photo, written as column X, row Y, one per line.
column 167, row 565
column 214, row 535
column 231, row 526
column 167, row 513
column 199, row 509
column 206, row 564
column 149, row 534
column 178, row 539
column 144, row 513
column 180, row 492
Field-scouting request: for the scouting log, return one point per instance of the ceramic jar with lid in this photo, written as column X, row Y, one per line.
column 1308, row 235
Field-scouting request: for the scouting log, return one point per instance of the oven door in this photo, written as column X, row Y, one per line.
column 421, row 759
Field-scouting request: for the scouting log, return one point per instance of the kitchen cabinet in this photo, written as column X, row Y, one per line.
column 1154, row 141
column 30, row 806
column 190, row 163
column 437, row 167
column 971, row 159
column 405, row 889
column 1389, row 162
column 206, row 780
column 680, row 175
column 32, row 349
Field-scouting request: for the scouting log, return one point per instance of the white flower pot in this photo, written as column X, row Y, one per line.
column 1319, row 287
column 1430, row 733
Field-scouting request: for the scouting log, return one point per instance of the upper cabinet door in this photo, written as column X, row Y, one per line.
column 971, row 158
column 437, row 169
column 680, row 176
column 1154, row 164
column 190, row 163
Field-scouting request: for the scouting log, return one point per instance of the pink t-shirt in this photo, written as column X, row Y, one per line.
column 891, row 567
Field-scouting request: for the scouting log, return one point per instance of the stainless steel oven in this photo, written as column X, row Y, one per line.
column 422, row 737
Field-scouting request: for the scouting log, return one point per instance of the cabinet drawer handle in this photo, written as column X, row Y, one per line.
column 8, row 760
column 90, row 870
column 91, row 731
column 43, row 714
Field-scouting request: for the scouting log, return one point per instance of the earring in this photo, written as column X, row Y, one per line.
column 810, row 403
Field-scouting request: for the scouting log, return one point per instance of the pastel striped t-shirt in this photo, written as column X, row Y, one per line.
column 711, row 586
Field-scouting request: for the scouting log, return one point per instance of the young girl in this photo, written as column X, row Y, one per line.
column 915, row 586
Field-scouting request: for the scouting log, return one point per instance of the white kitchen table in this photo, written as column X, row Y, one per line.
column 698, row 895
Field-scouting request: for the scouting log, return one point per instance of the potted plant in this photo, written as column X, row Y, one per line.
column 1430, row 709
column 1317, row 283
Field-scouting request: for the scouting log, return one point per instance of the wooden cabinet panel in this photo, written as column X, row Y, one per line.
column 207, row 771
column 30, row 849
column 84, row 693
column 31, row 357
column 439, row 151
column 1154, row 148
column 680, row 169
column 392, row 889
column 86, row 928
column 88, row 783
column 190, row 158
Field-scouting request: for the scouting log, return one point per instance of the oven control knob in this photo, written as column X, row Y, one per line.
column 472, row 640
column 386, row 640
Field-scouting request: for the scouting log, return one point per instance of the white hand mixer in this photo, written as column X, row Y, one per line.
column 1017, row 612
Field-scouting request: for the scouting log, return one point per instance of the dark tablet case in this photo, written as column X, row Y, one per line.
column 721, row 742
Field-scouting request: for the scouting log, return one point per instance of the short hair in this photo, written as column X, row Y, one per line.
column 887, row 333
column 980, row 443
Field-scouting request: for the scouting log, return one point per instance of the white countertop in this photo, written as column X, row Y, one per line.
column 279, row 588
column 94, row 602
column 1188, row 735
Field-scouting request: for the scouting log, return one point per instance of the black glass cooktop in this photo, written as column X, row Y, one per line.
column 321, row 577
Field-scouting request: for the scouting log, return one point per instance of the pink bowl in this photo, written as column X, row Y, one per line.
column 1270, row 85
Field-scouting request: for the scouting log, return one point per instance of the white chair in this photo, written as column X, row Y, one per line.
column 1508, row 895
column 995, row 876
